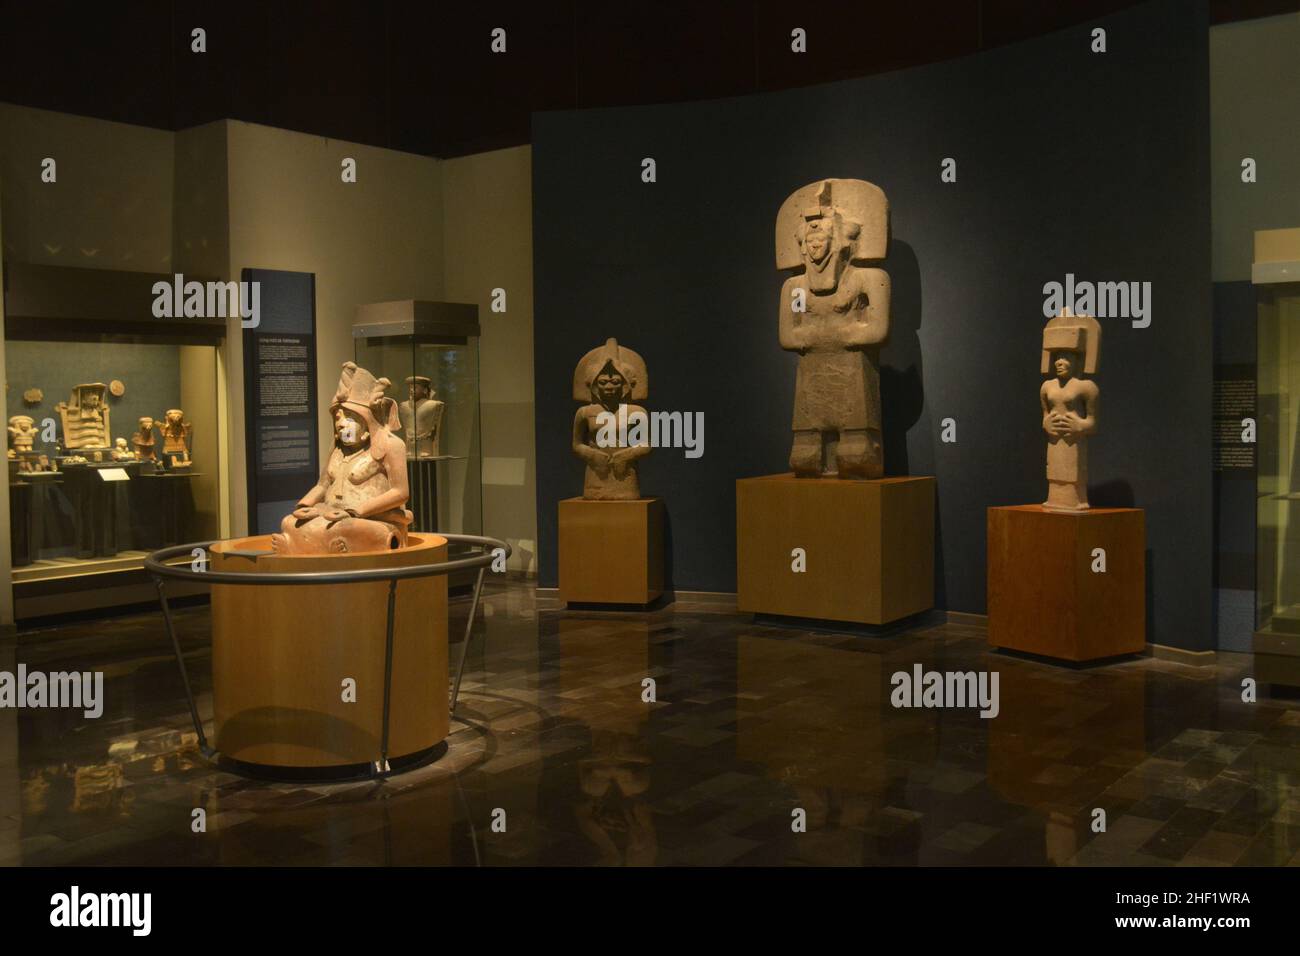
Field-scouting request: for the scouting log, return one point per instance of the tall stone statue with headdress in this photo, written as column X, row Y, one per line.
column 834, row 312
column 1071, row 348
column 359, row 504
column 608, row 433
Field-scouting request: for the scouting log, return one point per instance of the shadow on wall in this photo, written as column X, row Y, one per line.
column 902, row 387
column 902, row 383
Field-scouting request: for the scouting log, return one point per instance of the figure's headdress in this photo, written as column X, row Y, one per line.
column 860, row 212
column 361, row 392
column 1072, row 333
column 627, row 363
column 420, row 380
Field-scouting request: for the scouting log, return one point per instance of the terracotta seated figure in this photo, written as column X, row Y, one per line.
column 359, row 504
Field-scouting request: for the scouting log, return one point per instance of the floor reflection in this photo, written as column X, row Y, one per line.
column 561, row 755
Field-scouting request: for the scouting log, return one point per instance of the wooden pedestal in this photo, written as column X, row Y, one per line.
column 1044, row 596
column 869, row 547
column 280, row 655
column 611, row 552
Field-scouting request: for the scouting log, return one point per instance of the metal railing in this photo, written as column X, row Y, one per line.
column 156, row 565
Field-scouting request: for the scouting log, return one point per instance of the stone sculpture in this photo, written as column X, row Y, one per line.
column 605, row 432
column 1071, row 347
column 85, row 417
column 22, row 432
column 176, row 432
column 33, row 396
column 835, row 313
column 121, row 452
column 359, row 504
column 143, row 439
column 421, row 416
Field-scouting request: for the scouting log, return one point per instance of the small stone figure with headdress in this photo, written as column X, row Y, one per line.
column 359, row 504
column 421, row 416
column 609, row 434
column 1071, row 347
column 176, row 432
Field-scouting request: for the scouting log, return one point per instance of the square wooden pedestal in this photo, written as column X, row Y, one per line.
column 1044, row 596
column 869, row 547
column 611, row 552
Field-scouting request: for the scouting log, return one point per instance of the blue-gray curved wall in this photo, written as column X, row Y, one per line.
column 1068, row 161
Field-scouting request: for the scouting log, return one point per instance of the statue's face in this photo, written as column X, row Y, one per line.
column 609, row 386
column 1063, row 364
column 92, row 400
column 348, row 428
column 146, row 425
column 174, row 418
column 419, row 391
column 817, row 240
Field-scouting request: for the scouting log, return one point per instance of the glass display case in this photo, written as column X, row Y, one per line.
column 429, row 351
column 113, row 449
column 1278, row 489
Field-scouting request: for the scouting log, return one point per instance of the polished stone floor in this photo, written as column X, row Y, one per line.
column 556, row 759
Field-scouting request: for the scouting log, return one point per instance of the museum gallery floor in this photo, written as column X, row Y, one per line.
column 556, row 758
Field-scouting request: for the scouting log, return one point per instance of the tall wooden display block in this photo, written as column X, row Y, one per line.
column 611, row 552
column 867, row 546
column 1047, row 592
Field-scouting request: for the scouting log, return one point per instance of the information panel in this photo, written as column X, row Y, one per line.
column 280, row 424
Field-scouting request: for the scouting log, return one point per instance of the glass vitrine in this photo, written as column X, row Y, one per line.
column 113, row 445
column 112, row 451
column 429, row 351
column 1278, row 488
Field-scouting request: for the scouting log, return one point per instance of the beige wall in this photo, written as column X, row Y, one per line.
column 111, row 207
column 201, row 247
column 377, row 239
column 488, row 243
column 1254, row 102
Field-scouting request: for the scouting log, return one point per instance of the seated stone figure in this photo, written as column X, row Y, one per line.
column 359, row 504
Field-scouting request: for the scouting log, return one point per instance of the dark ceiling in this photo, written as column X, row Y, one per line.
column 420, row 77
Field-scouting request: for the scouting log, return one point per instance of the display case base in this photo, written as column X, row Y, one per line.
column 298, row 670
column 868, row 547
column 1044, row 596
column 611, row 552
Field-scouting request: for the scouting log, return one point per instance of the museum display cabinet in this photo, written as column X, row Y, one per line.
column 113, row 449
column 1277, row 493
column 429, row 352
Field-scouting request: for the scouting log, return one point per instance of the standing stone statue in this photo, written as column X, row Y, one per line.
column 421, row 416
column 609, row 434
column 1071, row 346
column 835, row 313
column 359, row 504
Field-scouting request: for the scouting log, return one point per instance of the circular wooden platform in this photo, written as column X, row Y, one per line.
column 298, row 670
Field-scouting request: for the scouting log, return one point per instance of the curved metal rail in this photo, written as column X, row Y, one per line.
column 157, row 567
